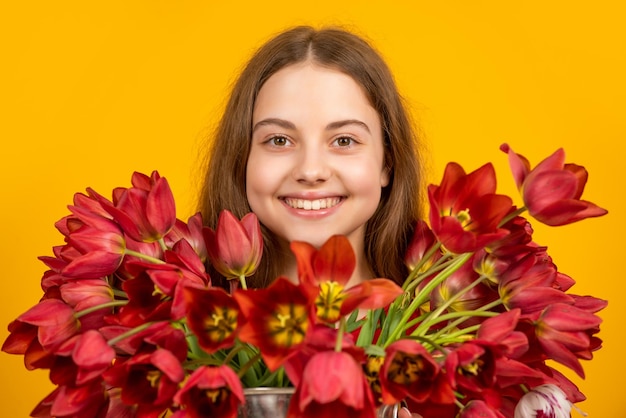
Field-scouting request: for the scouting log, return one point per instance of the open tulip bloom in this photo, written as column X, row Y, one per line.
column 131, row 325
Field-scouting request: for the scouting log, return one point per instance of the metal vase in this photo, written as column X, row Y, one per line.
column 266, row 402
column 274, row 403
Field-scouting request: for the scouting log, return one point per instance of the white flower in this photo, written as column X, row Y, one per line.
column 544, row 401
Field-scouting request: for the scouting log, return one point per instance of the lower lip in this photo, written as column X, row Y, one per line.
column 312, row 214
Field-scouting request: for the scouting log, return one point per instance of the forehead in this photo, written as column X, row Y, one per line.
column 305, row 87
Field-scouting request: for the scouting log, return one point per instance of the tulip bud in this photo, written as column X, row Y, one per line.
column 235, row 247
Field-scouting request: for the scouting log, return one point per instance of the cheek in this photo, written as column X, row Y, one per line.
column 365, row 177
column 261, row 179
column 253, row 183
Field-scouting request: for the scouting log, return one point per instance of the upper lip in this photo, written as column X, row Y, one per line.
column 310, row 195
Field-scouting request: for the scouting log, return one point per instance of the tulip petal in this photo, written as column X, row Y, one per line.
column 160, row 208
column 568, row 211
column 93, row 265
column 498, row 327
column 335, row 260
column 168, row 364
column 382, row 293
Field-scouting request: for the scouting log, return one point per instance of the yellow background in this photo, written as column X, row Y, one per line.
column 92, row 91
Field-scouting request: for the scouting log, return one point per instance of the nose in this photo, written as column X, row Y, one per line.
column 312, row 166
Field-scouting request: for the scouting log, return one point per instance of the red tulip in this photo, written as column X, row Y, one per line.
column 566, row 334
column 53, row 320
column 478, row 409
column 529, row 284
column 277, row 319
column 235, row 247
column 83, row 294
column 92, row 355
column 145, row 304
column 151, row 376
column 422, row 241
column 213, row 315
column 471, row 366
column 333, row 385
column 552, row 190
column 320, row 338
column 146, row 213
column 465, row 210
column 88, row 400
column 500, row 330
column 408, row 371
column 324, row 274
column 97, row 240
column 190, row 232
column 210, row 392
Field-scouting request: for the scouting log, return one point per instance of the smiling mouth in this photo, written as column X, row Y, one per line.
column 315, row 204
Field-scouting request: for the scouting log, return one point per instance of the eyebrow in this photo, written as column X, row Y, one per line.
column 285, row 124
column 342, row 123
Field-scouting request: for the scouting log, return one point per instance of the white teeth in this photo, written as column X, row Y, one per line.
column 316, row 204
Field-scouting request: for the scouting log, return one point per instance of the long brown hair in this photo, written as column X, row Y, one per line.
column 389, row 230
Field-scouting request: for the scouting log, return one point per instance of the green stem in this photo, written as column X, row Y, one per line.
column 204, row 361
column 437, row 312
column 425, row 258
column 454, row 337
column 424, row 294
column 438, row 266
column 340, row 331
column 242, row 280
column 101, row 306
column 461, row 315
column 416, row 321
column 143, row 256
column 482, row 311
column 162, row 244
column 249, row 364
column 130, row 333
column 119, row 293
column 512, row 215
column 430, row 342
column 232, row 353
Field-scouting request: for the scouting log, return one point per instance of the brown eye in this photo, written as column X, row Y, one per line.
column 344, row 141
column 279, row 141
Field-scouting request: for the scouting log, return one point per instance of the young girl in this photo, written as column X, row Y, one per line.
column 316, row 141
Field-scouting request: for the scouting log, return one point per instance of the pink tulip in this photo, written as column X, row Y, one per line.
column 145, row 213
column 566, row 333
column 552, row 190
column 235, row 247
column 54, row 321
column 333, row 385
column 477, row 408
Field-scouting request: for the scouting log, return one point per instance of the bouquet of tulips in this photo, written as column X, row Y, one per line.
column 130, row 325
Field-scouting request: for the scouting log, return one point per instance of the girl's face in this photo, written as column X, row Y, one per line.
column 315, row 167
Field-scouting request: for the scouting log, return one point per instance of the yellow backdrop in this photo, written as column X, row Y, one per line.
column 92, row 91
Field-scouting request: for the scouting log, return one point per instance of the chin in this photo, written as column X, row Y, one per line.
column 314, row 236
column 317, row 242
